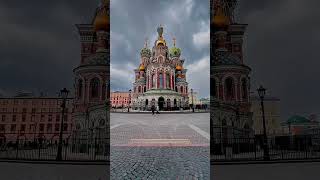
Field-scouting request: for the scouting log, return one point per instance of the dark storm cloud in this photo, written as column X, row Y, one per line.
column 282, row 44
column 131, row 23
column 39, row 44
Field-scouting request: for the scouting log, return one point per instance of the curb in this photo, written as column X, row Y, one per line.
column 265, row 162
column 160, row 112
column 104, row 163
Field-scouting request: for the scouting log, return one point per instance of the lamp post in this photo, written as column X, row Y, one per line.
column 192, row 100
column 129, row 102
column 266, row 156
column 64, row 94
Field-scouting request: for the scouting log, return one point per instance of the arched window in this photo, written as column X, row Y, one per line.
column 168, row 81
column 146, row 102
column 144, row 89
column 229, row 89
column 181, row 89
column 80, row 88
column 244, row 88
column 154, row 80
column 160, row 80
column 139, row 89
column 175, row 102
column 94, row 86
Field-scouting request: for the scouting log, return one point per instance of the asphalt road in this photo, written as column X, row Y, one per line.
column 278, row 171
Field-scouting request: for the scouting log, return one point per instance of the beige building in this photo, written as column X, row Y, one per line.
column 272, row 115
column 120, row 99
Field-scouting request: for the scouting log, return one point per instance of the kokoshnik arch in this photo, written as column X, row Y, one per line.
column 160, row 80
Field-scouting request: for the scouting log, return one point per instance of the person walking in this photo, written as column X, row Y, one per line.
column 152, row 109
column 157, row 110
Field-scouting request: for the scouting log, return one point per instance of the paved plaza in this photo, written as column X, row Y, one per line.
column 162, row 146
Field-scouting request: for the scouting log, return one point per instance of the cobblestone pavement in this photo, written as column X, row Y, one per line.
column 165, row 146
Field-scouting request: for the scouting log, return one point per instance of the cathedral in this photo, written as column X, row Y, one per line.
column 160, row 79
column 91, row 77
column 230, row 81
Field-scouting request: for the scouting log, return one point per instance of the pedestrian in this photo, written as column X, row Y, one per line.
column 157, row 110
column 152, row 109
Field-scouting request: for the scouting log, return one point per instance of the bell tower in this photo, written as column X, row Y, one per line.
column 91, row 82
column 230, row 80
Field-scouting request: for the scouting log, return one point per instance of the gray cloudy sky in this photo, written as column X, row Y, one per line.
column 39, row 44
column 132, row 23
column 282, row 49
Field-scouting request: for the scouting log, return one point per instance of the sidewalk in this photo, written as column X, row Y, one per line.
column 36, row 171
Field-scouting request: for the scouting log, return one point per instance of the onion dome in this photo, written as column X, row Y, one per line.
column 179, row 76
column 161, row 41
column 220, row 20
column 141, row 68
column 178, row 68
column 175, row 52
column 101, row 21
column 145, row 52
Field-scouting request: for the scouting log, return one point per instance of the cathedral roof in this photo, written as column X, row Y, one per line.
column 101, row 21
column 226, row 58
column 297, row 120
column 99, row 58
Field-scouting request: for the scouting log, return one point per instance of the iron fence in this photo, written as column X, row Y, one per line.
column 251, row 149
column 73, row 149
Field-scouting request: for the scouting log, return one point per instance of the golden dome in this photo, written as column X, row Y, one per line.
column 178, row 68
column 101, row 21
column 141, row 68
column 161, row 41
column 220, row 19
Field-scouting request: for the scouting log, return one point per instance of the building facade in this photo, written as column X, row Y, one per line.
column 160, row 80
column 272, row 115
column 231, row 115
column 28, row 118
column 300, row 125
column 120, row 99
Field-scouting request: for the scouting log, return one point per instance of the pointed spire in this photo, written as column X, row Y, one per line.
column 174, row 41
column 146, row 43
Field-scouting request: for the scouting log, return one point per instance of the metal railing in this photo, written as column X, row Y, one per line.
column 73, row 149
column 251, row 149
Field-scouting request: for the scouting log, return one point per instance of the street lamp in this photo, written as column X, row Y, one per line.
column 64, row 94
column 129, row 100
column 192, row 100
column 262, row 93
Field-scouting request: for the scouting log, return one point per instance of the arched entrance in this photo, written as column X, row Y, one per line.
column 161, row 103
